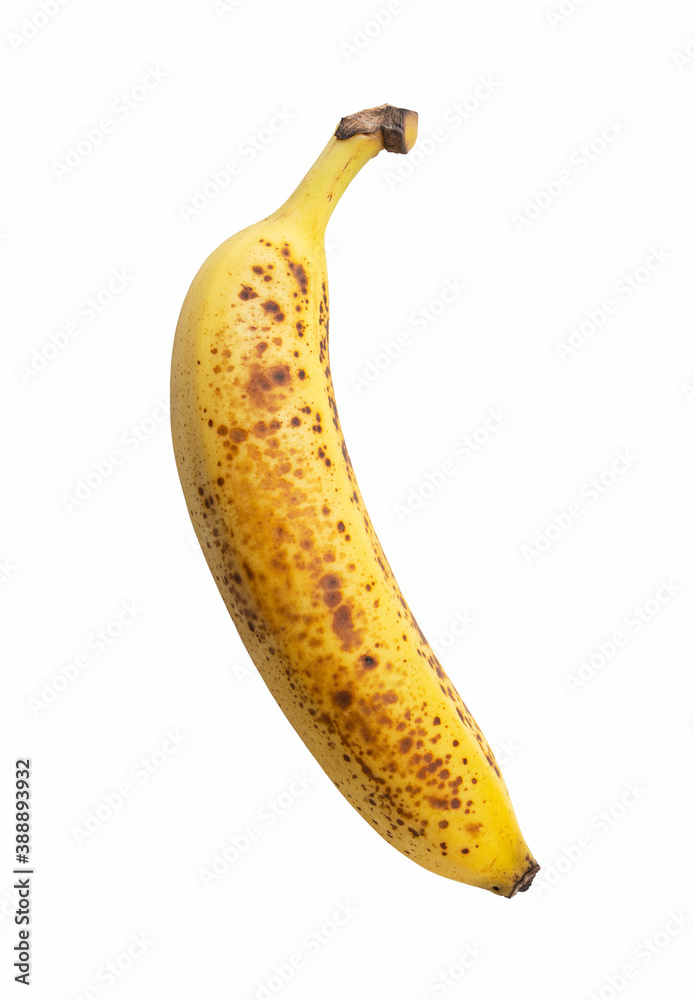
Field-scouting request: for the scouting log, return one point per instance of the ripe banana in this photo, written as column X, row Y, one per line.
column 277, row 510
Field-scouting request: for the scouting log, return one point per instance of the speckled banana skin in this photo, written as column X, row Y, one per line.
column 277, row 510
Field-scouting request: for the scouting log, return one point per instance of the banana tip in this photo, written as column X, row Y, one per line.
column 525, row 881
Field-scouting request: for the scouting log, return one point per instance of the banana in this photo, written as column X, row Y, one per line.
column 277, row 510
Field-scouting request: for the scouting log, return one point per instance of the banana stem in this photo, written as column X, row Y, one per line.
column 357, row 139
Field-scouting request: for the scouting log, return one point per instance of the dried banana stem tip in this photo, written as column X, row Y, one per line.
column 524, row 883
column 398, row 126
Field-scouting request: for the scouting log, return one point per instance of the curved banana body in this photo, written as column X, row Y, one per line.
column 277, row 510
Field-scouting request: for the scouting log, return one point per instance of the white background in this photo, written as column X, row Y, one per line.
column 597, row 754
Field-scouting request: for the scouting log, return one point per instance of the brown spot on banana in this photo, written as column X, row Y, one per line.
column 299, row 273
